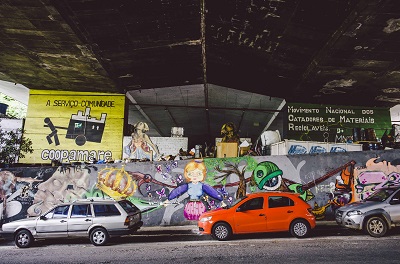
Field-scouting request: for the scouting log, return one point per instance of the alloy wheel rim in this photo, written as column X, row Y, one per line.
column 300, row 229
column 23, row 239
column 98, row 237
column 221, row 232
column 376, row 227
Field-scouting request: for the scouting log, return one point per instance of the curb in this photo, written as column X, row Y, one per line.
column 194, row 228
column 187, row 229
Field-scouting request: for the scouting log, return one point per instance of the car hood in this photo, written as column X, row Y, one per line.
column 358, row 205
column 20, row 222
column 217, row 211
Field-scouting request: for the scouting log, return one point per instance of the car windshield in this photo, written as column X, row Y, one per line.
column 380, row 195
column 237, row 201
column 128, row 206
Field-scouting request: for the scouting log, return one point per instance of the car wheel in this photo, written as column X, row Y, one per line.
column 99, row 236
column 23, row 239
column 221, row 231
column 299, row 228
column 376, row 226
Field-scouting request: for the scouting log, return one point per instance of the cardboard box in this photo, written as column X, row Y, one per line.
column 227, row 150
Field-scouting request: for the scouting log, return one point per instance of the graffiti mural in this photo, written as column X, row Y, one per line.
column 177, row 192
column 195, row 173
column 71, row 126
column 375, row 175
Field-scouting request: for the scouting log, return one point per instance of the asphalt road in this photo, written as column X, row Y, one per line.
column 327, row 244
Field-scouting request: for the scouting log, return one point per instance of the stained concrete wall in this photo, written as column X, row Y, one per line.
column 326, row 181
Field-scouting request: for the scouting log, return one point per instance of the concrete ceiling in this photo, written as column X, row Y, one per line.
column 201, row 63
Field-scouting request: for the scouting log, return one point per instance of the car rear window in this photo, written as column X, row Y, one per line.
column 105, row 210
column 128, row 206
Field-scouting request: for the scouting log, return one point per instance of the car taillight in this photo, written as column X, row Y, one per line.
column 127, row 221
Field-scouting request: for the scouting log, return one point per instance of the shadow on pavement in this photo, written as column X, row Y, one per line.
column 190, row 233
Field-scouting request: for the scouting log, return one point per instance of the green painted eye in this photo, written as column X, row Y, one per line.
column 260, row 171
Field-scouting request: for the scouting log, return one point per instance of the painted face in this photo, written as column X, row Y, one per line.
column 195, row 175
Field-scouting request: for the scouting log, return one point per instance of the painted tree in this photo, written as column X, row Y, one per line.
column 234, row 169
column 219, row 170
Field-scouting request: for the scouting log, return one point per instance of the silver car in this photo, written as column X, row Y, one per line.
column 375, row 214
column 97, row 219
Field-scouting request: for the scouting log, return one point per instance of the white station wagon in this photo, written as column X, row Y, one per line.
column 97, row 219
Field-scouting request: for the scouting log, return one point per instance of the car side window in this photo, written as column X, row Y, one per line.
column 81, row 210
column 105, row 210
column 279, row 201
column 253, row 204
column 396, row 198
column 58, row 212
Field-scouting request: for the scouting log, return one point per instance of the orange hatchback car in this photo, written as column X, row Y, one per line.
column 258, row 213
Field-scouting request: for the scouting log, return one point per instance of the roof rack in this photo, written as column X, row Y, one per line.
column 92, row 199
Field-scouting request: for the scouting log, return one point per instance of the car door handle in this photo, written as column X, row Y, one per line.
column 87, row 220
column 290, row 211
column 261, row 215
column 63, row 221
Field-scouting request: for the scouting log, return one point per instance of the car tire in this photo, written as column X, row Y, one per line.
column 221, row 231
column 376, row 226
column 300, row 228
column 99, row 236
column 23, row 239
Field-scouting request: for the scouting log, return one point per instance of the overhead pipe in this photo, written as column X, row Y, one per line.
column 210, row 107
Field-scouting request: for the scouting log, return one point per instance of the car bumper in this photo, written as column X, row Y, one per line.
column 205, row 227
column 311, row 220
column 7, row 235
column 353, row 221
column 125, row 231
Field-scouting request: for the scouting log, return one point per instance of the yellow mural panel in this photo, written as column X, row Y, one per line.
column 74, row 126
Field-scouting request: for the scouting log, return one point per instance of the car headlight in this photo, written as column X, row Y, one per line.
column 205, row 219
column 356, row 212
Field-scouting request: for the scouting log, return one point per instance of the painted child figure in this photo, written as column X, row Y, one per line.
column 195, row 173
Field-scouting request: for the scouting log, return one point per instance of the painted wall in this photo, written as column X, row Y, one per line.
column 326, row 181
column 74, row 126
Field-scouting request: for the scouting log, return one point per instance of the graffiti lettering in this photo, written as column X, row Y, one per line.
column 357, row 120
column 100, row 103
column 75, row 155
column 293, row 127
column 65, row 103
column 301, row 110
column 331, row 110
column 84, row 103
column 293, row 118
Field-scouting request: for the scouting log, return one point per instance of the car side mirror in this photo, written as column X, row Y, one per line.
column 239, row 209
column 42, row 217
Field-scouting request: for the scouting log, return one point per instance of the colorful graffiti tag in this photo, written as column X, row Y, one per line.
column 177, row 192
